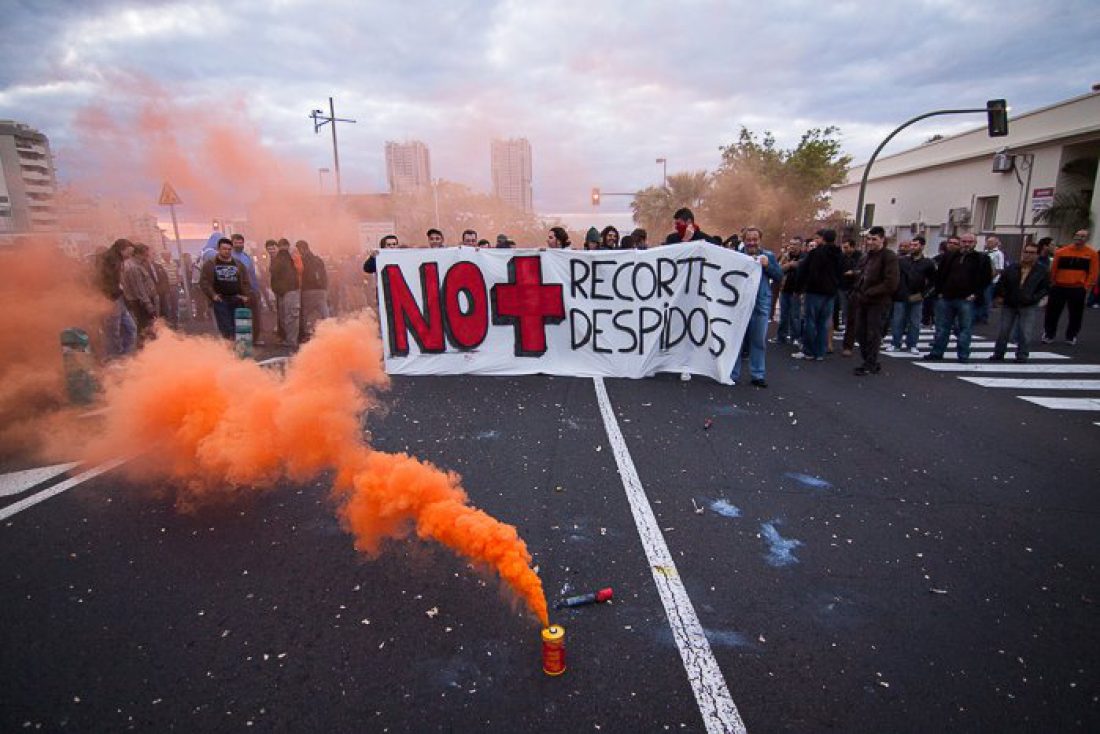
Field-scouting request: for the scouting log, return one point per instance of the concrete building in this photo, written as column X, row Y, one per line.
column 408, row 166
column 971, row 182
column 28, row 186
column 511, row 169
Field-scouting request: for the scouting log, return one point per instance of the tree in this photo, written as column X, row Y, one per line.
column 654, row 206
column 781, row 191
column 1069, row 212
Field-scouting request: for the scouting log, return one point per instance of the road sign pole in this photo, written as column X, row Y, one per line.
column 186, row 277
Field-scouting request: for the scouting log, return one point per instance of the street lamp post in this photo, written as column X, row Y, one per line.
column 997, row 113
column 319, row 121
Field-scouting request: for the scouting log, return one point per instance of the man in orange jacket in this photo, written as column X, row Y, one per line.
column 1073, row 274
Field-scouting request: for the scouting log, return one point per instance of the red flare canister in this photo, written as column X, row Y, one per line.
column 553, row 650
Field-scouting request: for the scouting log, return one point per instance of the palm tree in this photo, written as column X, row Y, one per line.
column 1069, row 212
column 653, row 207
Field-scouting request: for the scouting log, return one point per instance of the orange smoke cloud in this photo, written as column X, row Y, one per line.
column 214, row 157
column 218, row 426
column 41, row 293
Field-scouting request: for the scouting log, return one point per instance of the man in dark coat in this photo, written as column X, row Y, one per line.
column 875, row 293
column 961, row 279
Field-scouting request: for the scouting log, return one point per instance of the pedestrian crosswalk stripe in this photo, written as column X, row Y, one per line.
column 18, row 482
column 978, row 353
column 1013, row 367
column 1063, row 403
column 1033, row 384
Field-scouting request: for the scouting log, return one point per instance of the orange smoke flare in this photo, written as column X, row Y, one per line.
column 220, row 426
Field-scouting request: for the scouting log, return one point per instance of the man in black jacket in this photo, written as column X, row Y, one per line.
column 960, row 281
column 917, row 275
column 874, row 293
column 1021, row 287
column 819, row 274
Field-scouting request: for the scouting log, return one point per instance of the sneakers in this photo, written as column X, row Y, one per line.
column 759, row 382
column 800, row 355
column 1047, row 339
column 890, row 348
column 685, row 377
column 1072, row 342
column 913, row 350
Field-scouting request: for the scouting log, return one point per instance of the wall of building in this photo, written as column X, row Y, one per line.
column 922, row 185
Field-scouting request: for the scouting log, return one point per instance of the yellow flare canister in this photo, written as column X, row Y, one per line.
column 553, row 650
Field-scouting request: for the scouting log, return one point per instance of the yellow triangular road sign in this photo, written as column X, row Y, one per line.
column 169, row 196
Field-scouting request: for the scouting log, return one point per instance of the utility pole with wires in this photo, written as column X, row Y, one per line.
column 319, row 121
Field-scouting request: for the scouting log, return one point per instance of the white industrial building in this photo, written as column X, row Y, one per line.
column 972, row 182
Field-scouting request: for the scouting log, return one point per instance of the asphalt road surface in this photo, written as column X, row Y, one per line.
column 913, row 551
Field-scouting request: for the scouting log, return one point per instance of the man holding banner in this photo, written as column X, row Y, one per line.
column 762, row 304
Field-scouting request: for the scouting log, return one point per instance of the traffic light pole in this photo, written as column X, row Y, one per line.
column 918, row 118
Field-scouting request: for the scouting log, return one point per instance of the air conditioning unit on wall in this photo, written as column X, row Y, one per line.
column 961, row 215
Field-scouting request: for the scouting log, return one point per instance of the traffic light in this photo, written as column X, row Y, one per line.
column 595, row 197
column 997, row 111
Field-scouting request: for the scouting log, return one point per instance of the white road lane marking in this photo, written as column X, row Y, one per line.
column 974, row 354
column 711, row 694
column 1017, row 383
column 1063, row 403
column 1009, row 366
column 17, row 482
column 60, row 487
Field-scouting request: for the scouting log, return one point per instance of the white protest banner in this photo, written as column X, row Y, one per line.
column 619, row 313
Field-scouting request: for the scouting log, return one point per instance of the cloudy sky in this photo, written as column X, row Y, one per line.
column 600, row 88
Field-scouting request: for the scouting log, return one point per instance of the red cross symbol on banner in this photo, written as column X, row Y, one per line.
column 528, row 304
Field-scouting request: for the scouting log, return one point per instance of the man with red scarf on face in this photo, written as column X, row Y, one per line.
column 686, row 231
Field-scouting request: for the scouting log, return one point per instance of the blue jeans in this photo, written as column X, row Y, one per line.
column 757, row 337
column 981, row 310
column 119, row 330
column 950, row 313
column 905, row 321
column 819, row 310
column 223, row 315
column 790, row 317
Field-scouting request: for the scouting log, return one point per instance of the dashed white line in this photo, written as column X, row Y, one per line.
column 711, row 694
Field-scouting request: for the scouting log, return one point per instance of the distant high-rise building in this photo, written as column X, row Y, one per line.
column 408, row 166
column 511, row 167
column 27, row 182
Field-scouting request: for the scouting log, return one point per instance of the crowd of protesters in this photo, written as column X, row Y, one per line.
column 875, row 296
column 286, row 289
